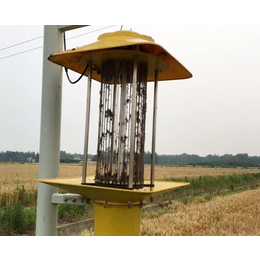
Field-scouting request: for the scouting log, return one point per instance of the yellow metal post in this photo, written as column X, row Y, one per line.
column 117, row 220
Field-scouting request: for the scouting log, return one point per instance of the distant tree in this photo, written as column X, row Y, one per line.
column 94, row 158
column 37, row 157
column 148, row 158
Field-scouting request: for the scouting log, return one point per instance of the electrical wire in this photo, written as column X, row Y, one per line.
column 11, row 46
column 20, row 53
column 66, row 69
column 17, row 44
column 90, row 32
column 42, row 46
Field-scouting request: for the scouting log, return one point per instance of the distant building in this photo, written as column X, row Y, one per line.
column 30, row 160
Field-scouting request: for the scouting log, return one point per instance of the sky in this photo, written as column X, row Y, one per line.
column 215, row 112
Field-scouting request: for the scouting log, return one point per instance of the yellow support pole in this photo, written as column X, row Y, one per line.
column 117, row 220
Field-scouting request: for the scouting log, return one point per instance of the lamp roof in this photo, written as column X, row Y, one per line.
column 122, row 44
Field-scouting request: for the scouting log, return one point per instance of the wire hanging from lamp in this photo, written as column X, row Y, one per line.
column 66, row 69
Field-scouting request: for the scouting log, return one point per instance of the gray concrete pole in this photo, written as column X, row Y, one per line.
column 46, row 223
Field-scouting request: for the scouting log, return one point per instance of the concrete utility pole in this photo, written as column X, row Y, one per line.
column 46, row 222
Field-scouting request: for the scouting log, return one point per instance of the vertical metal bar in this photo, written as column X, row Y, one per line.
column 110, row 126
column 105, row 128
column 154, row 125
column 133, row 125
column 122, row 131
column 85, row 162
column 129, row 122
column 116, row 132
column 46, row 222
column 113, row 125
column 99, row 150
column 102, row 128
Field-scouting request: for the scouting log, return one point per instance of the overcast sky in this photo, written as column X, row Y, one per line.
column 215, row 112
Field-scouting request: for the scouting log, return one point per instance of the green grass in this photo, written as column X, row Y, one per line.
column 210, row 187
column 73, row 213
column 16, row 220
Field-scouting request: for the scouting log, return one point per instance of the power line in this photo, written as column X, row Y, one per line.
column 42, row 46
column 21, row 43
column 91, row 32
column 11, row 46
column 20, row 53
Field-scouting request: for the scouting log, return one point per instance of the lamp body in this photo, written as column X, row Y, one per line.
column 117, row 220
column 123, row 63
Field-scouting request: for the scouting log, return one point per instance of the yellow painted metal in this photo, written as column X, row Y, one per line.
column 97, row 193
column 124, row 43
column 117, row 220
column 117, row 212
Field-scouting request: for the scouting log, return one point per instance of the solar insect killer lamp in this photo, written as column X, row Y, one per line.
column 123, row 62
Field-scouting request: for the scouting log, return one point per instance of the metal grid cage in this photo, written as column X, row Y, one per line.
column 115, row 124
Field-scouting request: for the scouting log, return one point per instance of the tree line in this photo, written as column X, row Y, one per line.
column 22, row 157
column 14, row 156
column 227, row 160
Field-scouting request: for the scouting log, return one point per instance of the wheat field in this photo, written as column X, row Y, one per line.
column 27, row 174
column 233, row 215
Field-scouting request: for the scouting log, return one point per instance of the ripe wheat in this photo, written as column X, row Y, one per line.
column 233, row 215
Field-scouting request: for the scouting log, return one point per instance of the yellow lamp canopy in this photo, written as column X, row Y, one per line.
column 123, row 45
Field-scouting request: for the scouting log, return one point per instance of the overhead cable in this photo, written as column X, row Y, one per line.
column 42, row 46
column 21, row 43
column 20, row 53
column 91, row 32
